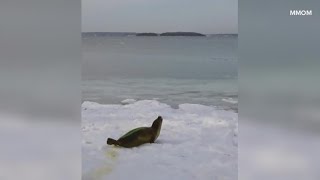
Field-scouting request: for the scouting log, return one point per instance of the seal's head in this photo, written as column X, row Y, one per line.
column 156, row 125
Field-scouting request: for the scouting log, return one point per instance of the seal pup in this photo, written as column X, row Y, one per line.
column 139, row 136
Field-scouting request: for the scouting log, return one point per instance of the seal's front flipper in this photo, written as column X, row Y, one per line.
column 152, row 139
column 111, row 141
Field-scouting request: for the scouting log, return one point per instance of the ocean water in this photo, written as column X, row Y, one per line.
column 171, row 70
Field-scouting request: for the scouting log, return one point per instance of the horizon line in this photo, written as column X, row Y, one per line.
column 150, row 32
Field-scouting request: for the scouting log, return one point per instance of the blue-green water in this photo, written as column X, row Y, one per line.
column 174, row 70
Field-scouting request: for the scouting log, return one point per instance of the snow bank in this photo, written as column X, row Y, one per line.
column 196, row 142
column 230, row 100
column 128, row 101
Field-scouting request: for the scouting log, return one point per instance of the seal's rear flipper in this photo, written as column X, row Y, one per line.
column 111, row 141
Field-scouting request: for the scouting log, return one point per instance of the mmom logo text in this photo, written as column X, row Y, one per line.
column 300, row 12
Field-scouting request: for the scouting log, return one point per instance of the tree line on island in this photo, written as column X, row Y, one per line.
column 171, row 34
column 125, row 34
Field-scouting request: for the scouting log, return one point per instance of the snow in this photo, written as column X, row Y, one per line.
column 128, row 101
column 230, row 100
column 195, row 142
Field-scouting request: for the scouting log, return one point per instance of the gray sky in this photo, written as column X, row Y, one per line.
column 204, row 16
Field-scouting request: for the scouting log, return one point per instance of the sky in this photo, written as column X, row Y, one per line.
column 203, row 16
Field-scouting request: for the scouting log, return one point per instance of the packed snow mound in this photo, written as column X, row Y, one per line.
column 128, row 101
column 195, row 142
column 230, row 100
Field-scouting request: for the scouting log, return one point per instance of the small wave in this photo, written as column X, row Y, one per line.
column 186, row 92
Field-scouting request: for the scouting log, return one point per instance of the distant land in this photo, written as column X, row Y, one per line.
column 147, row 34
column 125, row 34
column 171, row 34
column 181, row 34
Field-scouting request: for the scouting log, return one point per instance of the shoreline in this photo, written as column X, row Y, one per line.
column 131, row 101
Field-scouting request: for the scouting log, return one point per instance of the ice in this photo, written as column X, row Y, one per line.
column 128, row 101
column 230, row 100
column 196, row 142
